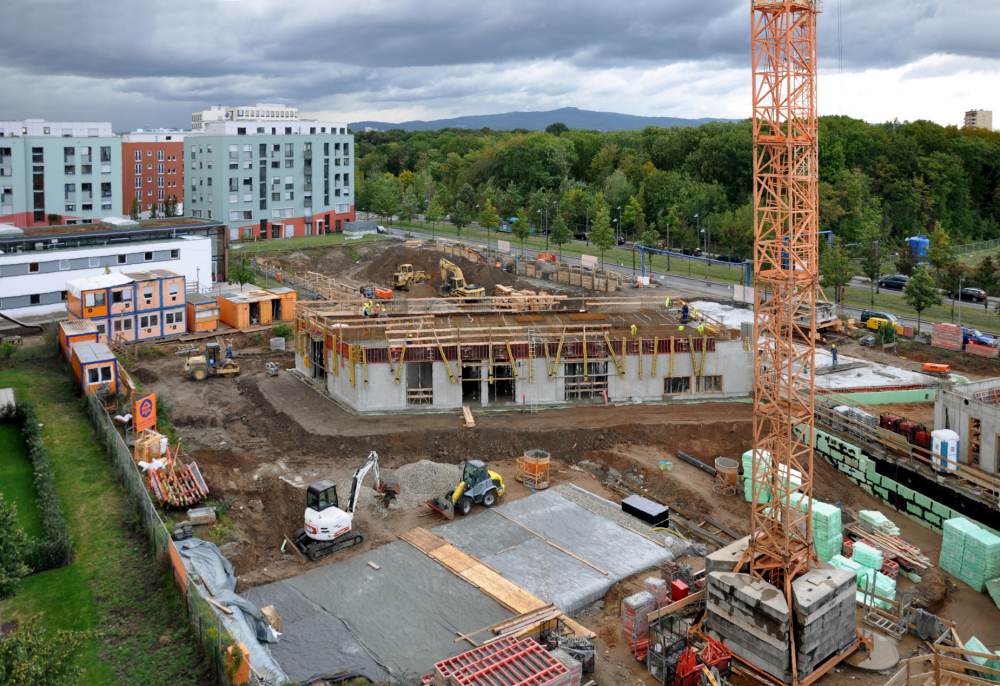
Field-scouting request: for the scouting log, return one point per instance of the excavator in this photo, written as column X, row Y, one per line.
column 453, row 282
column 327, row 527
column 406, row 276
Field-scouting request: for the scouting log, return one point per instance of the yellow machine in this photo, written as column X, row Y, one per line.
column 201, row 366
column 453, row 283
column 479, row 484
column 406, row 276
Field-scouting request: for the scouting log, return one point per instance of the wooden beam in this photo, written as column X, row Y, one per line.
column 674, row 607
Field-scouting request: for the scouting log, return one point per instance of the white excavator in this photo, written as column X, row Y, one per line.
column 327, row 527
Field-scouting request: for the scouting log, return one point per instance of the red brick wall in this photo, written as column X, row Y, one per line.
column 173, row 173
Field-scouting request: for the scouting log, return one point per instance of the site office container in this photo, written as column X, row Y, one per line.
column 91, row 297
column 172, row 288
column 147, row 291
column 94, row 364
column 148, row 325
column 242, row 310
column 173, row 321
column 283, row 309
column 202, row 312
column 122, row 327
column 73, row 332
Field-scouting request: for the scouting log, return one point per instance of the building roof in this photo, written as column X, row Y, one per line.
column 200, row 299
column 93, row 352
column 146, row 224
column 76, row 327
column 154, row 274
column 248, row 296
column 280, row 290
column 93, row 283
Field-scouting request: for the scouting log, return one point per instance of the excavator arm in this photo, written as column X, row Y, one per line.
column 370, row 463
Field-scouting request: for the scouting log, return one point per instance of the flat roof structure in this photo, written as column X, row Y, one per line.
column 95, row 283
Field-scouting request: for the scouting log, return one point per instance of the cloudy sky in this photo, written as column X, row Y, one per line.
column 153, row 62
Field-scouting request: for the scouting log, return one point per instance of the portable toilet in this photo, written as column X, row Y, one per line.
column 202, row 312
column 920, row 244
column 73, row 332
column 93, row 365
column 283, row 309
column 944, row 442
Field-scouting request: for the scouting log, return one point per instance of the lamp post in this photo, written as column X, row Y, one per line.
column 668, row 248
column 699, row 228
column 618, row 227
column 586, row 225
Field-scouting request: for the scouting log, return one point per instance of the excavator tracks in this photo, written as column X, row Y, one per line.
column 317, row 550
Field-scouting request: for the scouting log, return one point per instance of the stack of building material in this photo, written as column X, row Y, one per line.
column 981, row 559
column 953, row 537
column 748, row 480
column 570, row 663
column 862, row 417
column 866, row 555
column 507, row 661
column 879, row 521
column 824, row 616
column 947, row 336
column 658, row 589
column 976, row 646
column 635, row 622
column 826, row 527
column 993, row 588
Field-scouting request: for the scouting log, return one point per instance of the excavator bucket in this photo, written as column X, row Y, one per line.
column 389, row 487
column 443, row 505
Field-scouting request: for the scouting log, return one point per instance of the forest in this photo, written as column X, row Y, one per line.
column 879, row 182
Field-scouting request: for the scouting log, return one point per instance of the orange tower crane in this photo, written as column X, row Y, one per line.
column 786, row 270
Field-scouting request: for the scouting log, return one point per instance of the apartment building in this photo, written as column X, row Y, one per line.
column 152, row 170
column 262, row 111
column 207, row 115
column 266, row 179
column 980, row 119
column 58, row 172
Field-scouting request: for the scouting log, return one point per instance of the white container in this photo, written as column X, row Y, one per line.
column 278, row 343
column 944, row 442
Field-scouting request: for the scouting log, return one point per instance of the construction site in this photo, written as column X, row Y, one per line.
column 472, row 468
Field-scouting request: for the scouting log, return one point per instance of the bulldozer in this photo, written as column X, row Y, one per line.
column 406, row 276
column 211, row 363
column 479, row 485
column 453, row 283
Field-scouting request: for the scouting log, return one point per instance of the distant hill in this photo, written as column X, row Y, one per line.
column 537, row 121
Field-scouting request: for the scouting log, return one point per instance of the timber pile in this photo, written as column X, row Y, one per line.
column 177, row 484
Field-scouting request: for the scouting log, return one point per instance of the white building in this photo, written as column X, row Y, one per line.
column 209, row 114
column 980, row 119
column 262, row 111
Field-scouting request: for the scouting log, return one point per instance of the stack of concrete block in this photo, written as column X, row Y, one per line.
column 981, row 559
column 635, row 622
column 753, row 617
column 659, row 590
column 879, row 521
column 572, row 664
column 866, row 555
column 726, row 559
column 763, row 465
column 827, row 530
column 953, row 537
column 824, row 616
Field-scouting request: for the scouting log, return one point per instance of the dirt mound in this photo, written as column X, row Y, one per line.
column 332, row 262
column 932, row 590
column 421, row 290
column 382, row 267
column 145, row 375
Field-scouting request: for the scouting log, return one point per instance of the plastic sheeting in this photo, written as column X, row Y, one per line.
column 484, row 534
column 406, row 613
column 313, row 643
column 246, row 624
column 551, row 575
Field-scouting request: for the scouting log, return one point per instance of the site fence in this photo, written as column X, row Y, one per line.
column 206, row 624
column 977, row 247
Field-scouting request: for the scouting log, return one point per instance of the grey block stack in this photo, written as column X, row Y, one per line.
column 753, row 617
column 726, row 559
column 824, row 616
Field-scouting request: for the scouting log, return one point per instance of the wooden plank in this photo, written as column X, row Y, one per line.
column 469, row 421
column 578, row 630
column 453, row 558
column 674, row 607
column 205, row 581
column 220, row 606
column 422, row 539
column 295, row 550
column 502, row 590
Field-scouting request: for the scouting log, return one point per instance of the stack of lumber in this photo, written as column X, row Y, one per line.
column 177, row 484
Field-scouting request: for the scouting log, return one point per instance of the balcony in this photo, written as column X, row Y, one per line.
column 307, row 154
column 308, row 187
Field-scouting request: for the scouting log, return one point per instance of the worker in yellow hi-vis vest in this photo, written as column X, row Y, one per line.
column 634, row 329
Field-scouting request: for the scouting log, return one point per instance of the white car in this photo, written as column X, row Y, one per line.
column 381, row 229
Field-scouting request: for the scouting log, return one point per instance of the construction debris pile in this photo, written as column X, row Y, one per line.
column 970, row 553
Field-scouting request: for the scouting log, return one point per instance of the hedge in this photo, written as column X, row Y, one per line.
column 56, row 549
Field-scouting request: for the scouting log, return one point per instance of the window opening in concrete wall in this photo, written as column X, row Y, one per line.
column 593, row 387
column 318, row 358
column 709, row 384
column 676, row 384
column 975, row 440
column 419, row 383
column 502, row 387
column 472, row 389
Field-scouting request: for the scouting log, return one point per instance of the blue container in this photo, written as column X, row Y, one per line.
column 919, row 244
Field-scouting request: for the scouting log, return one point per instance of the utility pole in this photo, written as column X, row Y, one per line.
column 586, row 226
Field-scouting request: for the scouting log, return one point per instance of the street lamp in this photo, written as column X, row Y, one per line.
column 699, row 227
column 618, row 227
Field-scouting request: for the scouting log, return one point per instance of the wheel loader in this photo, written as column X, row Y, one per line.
column 479, row 485
column 406, row 276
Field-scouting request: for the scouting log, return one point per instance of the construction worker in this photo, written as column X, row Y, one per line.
column 701, row 329
column 634, row 329
column 833, row 351
column 667, row 303
column 680, row 328
column 684, row 314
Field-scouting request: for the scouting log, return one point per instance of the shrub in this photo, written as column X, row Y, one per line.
column 282, row 330
column 56, row 549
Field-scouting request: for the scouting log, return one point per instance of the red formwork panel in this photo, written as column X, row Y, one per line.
column 507, row 662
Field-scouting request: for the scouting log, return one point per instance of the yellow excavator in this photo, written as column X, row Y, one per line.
column 453, row 283
column 406, row 276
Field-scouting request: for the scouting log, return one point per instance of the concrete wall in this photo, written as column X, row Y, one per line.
column 919, row 497
column 953, row 410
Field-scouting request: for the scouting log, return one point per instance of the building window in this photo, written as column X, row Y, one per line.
column 63, row 295
column 159, row 155
column 122, row 259
column 241, row 131
column 106, row 153
column 676, row 384
column 147, row 256
column 33, row 268
column 93, row 299
column 138, row 155
column 36, row 299
column 175, row 254
column 709, row 384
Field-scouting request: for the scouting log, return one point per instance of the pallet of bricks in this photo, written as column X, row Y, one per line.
column 879, row 532
column 635, row 622
column 507, row 662
column 947, row 336
column 970, row 553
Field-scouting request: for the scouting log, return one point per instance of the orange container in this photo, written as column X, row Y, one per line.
column 74, row 331
column 937, row 368
column 249, row 308
column 94, row 364
column 202, row 312
column 284, row 310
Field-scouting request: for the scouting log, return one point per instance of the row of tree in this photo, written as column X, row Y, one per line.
column 169, row 209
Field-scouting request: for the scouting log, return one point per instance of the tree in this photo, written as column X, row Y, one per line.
column 835, row 267
column 908, row 260
column 406, row 178
column 459, row 217
column 632, row 216
column 920, row 292
column 241, row 273
column 649, row 238
column 488, row 218
column 13, row 543
column 467, row 195
column 434, row 212
column 940, row 252
column 521, row 228
column 55, row 219
column 871, row 258
column 985, row 275
column 171, row 207
column 556, row 128
column 560, row 233
column 153, row 211
column 410, row 206
column 26, row 657
column 386, row 196
column 136, row 210
column 601, row 234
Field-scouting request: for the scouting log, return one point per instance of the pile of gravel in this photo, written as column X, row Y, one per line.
column 418, row 481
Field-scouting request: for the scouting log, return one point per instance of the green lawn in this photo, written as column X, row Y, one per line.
column 251, row 248
column 16, row 480
column 113, row 584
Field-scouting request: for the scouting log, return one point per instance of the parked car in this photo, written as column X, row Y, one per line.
column 621, row 240
column 580, row 235
column 978, row 337
column 975, row 295
column 734, row 258
column 896, row 282
column 381, row 229
column 869, row 314
column 694, row 252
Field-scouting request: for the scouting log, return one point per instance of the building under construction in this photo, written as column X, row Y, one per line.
column 520, row 351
